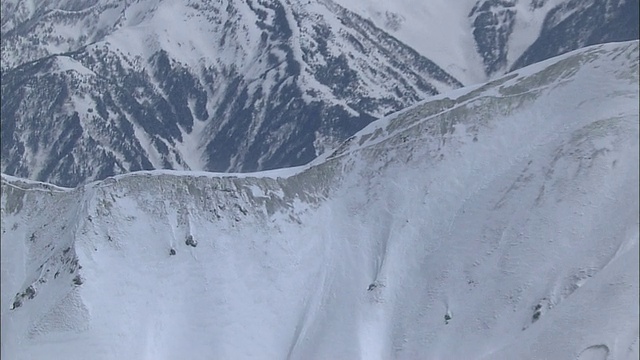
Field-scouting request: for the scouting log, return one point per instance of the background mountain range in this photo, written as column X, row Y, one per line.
column 96, row 88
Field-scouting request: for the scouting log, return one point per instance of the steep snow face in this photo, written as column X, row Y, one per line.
column 437, row 29
column 197, row 85
column 475, row 40
column 575, row 23
column 494, row 222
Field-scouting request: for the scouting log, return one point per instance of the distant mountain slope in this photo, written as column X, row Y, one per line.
column 223, row 86
column 510, row 34
column 576, row 23
column 499, row 221
column 475, row 40
column 93, row 88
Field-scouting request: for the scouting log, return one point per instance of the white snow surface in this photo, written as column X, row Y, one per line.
column 442, row 30
column 511, row 207
column 438, row 29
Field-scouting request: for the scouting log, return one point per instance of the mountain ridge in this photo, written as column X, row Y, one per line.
column 510, row 207
column 254, row 85
column 255, row 100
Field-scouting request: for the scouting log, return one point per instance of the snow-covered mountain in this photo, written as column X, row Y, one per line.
column 498, row 221
column 93, row 88
column 223, row 86
column 476, row 39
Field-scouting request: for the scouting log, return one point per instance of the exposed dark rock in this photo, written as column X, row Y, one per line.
column 270, row 119
column 30, row 292
column 191, row 241
column 77, row 280
column 371, row 287
column 16, row 304
column 587, row 24
column 492, row 25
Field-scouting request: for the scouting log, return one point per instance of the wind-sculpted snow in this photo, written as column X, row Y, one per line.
column 498, row 221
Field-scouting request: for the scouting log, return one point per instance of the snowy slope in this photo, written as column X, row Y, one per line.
column 95, row 88
column 437, row 29
column 196, row 85
column 475, row 40
column 510, row 207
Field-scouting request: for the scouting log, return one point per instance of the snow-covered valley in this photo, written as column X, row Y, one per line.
column 498, row 221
